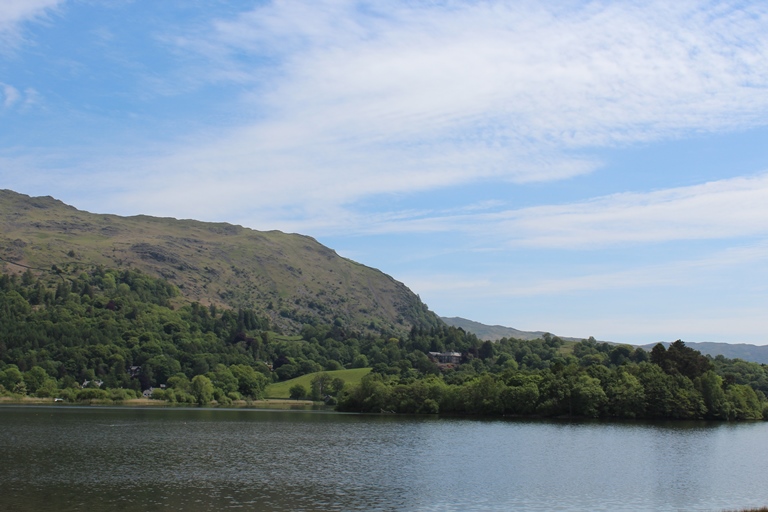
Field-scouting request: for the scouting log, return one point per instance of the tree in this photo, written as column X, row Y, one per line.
column 336, row 385
column 587, row 396
column 521, row 399
column 287, row 372
column 36, row 378
column 222, row 378
column 371, row 395
column 658, row 354
column 486, row 350
column 710, row 385
column 319, row 384
column 483, row 396
column 680, row 359
column 163, row 367
column 298, row 391
column 687, row 403
column 250, row 382
column 626, row 396
column 202, row 389
column 745, row 405
column 657, row 387
column 13, row 306
column 687, row 361
column 620, row 354
column 11, row 377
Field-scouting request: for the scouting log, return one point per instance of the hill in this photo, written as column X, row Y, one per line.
column 747, row 352
column 754, row 353
column 283, row 389
column 496, row 332
column 290, row 278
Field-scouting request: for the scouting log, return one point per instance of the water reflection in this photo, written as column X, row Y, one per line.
column 205, row 459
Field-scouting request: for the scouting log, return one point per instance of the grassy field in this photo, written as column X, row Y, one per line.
column 282, row 389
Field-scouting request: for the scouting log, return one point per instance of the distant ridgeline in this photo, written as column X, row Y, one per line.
column 747, row 352
column 109, row 334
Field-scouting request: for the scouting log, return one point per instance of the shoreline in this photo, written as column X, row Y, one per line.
column 266, row 403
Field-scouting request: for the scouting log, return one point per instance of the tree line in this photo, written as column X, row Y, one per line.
column 113, row 334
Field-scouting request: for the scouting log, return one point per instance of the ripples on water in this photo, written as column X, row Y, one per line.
column 108, row 459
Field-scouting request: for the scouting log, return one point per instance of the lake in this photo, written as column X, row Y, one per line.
column 63, row 458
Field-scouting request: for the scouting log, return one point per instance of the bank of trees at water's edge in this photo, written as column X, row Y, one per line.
column 112, row 334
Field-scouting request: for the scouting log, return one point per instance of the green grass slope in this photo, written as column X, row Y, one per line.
column 290, row 278
column 282, row 389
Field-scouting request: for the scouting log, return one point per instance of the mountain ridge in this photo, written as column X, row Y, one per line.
column 745, row 351
column 290, row 278
column 496, row 332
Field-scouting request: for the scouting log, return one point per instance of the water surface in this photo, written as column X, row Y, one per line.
column 110, row 459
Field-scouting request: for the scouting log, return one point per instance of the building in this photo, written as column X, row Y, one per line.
column 445, row 357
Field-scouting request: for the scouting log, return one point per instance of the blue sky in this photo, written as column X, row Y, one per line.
column 585, row 168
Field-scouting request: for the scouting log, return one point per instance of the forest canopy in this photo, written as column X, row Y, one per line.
column 113, row 334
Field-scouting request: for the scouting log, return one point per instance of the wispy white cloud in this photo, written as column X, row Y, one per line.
column 681, row 273
column 10, row 95
column 356, row 99
column 723, row 209
column 342, row 100
column 15, row 12
column 728, row 208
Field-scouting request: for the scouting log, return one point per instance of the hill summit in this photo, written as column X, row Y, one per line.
column 290, row 278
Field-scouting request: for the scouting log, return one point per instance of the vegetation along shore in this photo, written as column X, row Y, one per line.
column 119, row 334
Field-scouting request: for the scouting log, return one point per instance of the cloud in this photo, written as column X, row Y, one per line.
column 723, row 209
column 351, row 99
column 529, row 75
column 340, row 100
column 704, row 271
column 15, row 12
column 10, row 95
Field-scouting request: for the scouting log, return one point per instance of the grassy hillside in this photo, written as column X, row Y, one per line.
column 282, row 389
column 290, row 278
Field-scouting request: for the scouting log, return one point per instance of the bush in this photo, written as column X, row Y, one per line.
column 68, row 394
column 91, row 394
column 298, row 392
column 159, row 394
column 119, row 394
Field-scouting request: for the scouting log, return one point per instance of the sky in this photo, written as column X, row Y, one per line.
column 593, row 168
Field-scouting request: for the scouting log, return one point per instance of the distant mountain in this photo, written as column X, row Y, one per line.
column 291, row 278
column 496, row 332
column 754, row 353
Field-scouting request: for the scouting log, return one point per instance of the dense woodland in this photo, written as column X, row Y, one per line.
column 110, row 334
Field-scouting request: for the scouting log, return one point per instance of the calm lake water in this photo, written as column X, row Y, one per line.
column 110, row 459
